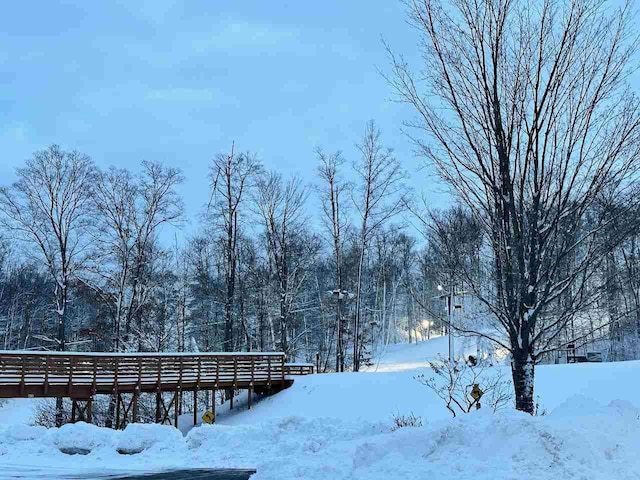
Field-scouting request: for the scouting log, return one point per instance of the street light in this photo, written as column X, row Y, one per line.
column 449, row 297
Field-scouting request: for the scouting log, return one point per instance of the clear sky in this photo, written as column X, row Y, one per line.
column 178, row 81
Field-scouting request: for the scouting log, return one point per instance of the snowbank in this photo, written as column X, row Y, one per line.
column 138, row 437
column 81, row 437
column 579, row 439
column 566, row 444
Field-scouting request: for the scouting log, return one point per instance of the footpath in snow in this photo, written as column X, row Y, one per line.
column 339, row 426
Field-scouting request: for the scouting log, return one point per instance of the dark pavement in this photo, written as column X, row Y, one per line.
column 200, row 474
column 26, row 473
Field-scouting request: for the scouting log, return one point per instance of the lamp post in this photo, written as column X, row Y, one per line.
column 449, row 298
column 339, row 295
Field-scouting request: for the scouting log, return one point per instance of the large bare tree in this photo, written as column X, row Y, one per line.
column 528, row 117
column 48, row 207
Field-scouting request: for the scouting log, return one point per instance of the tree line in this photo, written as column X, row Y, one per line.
column 88, row 264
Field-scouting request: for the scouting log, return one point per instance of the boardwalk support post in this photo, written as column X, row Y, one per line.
column 117, row 410
column 213, row 404
column 134, row 415
column 176, row 411
column 81, row 410
column 158, row 401
column 195, row 407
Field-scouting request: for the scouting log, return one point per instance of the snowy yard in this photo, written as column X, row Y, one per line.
column 339, row 426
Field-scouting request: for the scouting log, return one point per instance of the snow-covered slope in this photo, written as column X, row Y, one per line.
column 338, row 426
column 402, row 356
column 377, row 396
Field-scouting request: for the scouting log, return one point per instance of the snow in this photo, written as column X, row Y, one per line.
column 81, row 436
column 17, row 411
column 403, row 357
column 139, row 437
column 339, row 426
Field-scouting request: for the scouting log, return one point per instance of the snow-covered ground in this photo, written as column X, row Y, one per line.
column 338, row 426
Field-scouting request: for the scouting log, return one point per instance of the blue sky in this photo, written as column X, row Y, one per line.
column 125, row 81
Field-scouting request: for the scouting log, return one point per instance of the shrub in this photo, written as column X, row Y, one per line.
column 455, row 384
column 402, row 421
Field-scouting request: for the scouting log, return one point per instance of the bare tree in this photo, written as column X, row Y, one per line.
column 332, row 191
column 377, row 197
column 158, row 204
column 116, row 194
column 130, row 210
column 233, row 175
column 281, row 207
column 529, row 120
column 48, row 207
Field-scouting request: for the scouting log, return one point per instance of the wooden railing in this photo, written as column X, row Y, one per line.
column 298, row 368
column 81, row 375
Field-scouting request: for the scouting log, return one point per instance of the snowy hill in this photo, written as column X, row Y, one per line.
column 390, row 387
column 339, row 426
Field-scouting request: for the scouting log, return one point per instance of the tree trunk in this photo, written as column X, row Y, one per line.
column 62, row 307
column 522, row 370
column 339, row 341
column 284, row 346
column 356, row 322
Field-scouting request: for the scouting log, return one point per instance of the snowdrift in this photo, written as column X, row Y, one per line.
column 579, row 439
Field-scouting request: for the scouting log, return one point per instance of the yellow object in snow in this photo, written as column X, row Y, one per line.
column 208, row 417
column 476, row 392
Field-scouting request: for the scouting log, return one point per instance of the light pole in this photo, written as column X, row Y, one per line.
column 449, row 298
column 339, row 295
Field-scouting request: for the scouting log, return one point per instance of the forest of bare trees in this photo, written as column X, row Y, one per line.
column 89, row 261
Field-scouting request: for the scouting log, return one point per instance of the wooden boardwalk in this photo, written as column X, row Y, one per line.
column 81, row 376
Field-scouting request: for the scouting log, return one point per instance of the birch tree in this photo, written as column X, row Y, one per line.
column 157, row 204
column 332, row 192
column 115, row 199
column 377, row 197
